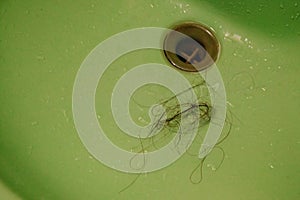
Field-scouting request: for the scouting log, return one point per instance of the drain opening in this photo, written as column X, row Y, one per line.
column 194, row 45
column 189, row 52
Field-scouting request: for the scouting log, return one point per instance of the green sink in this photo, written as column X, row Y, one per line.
column 44, row 43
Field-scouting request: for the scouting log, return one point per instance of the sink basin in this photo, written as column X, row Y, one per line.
column 43, row 45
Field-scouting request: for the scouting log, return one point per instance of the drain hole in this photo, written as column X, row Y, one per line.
column 190, row 51
column 191, row 47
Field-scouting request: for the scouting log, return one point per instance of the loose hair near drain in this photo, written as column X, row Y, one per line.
column 171, row 123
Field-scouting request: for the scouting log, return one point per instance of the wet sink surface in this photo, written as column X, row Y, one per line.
column 42, row 46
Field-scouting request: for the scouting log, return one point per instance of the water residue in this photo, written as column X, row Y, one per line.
column 237, row 38
column 184, row 8
column 281, row 6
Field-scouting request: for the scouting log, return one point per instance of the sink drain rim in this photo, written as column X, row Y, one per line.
column 203, row 35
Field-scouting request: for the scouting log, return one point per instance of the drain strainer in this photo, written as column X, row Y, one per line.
column 196, row 48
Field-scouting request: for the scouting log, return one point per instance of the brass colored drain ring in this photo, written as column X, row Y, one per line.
column 195, row 52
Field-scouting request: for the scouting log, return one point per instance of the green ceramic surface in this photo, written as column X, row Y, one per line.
column 42, row 45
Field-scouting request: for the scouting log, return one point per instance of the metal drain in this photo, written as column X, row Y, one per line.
column 195, row 45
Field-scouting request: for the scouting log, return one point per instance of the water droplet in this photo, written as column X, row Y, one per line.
column 211, row 166
column 296, row 4
column 279, row 130
column 34, row 123
column 281, row 6
column 229, row 103
column 271, row 166
column 263, row 89
column 40, row 57
column 30, row 149
column 151, row 5
column 265, row 59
